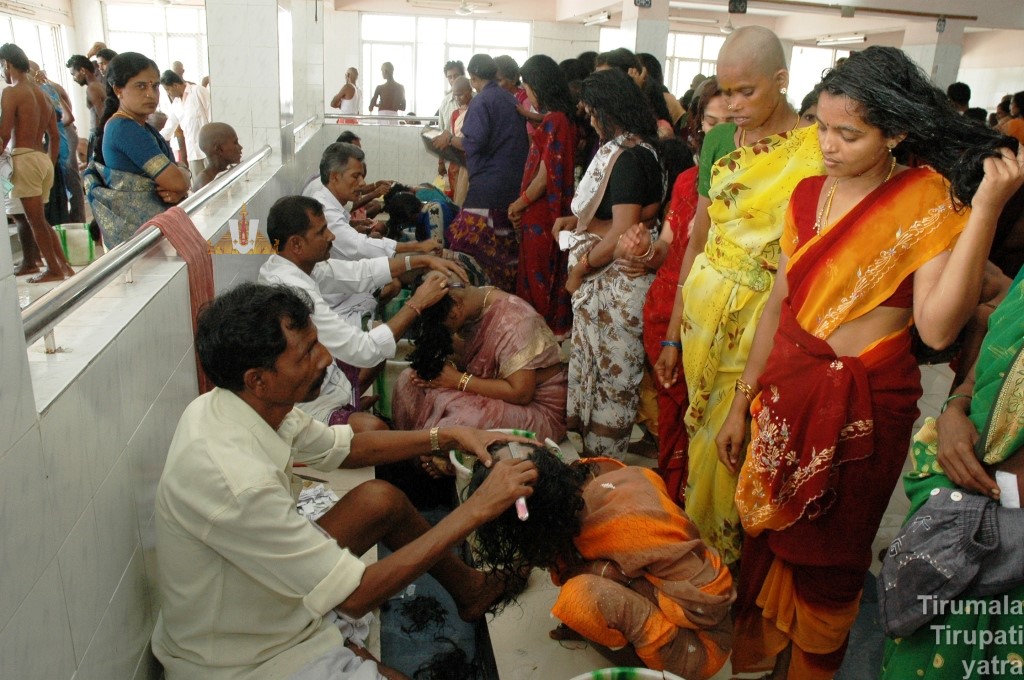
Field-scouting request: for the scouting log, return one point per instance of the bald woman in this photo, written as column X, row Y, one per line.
column 748, row 169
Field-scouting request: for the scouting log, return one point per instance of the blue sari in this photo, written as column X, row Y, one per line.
column 122, row 189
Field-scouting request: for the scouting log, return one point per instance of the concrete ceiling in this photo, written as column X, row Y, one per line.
column 792, row 19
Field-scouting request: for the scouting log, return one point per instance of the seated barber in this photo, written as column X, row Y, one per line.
column 245, row 580
column 298, row 227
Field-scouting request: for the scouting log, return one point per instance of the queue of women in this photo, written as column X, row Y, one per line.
column 770, row 291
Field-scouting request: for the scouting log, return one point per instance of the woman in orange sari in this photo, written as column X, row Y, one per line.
column 868, row 249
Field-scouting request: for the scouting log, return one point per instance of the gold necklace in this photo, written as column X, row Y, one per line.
column 822, row 220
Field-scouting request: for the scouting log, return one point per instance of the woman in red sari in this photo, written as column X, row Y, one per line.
column 707, row 109
column 868, row 250
column 548, row 186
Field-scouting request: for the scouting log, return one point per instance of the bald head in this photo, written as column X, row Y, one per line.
column 753, row 47
column 212, row 135
column 461, row 85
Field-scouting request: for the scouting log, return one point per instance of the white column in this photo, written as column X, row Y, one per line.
column 937, row 53
column 645, row 29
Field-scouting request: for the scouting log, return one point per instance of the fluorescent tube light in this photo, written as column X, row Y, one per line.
column 830, row 41
column 599, row 18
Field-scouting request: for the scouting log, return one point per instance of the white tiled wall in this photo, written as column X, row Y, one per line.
column 76, row 491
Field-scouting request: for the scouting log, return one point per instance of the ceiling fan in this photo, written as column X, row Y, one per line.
column 462, row 8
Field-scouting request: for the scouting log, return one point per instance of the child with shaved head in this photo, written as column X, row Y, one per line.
column 220, row 144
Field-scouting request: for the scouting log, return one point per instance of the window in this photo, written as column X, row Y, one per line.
column 41, row 42
column 687, row 55
column 173, row 33
column 808, row 64
column 419, row 47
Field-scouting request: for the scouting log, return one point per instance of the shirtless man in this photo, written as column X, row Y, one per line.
column 219, row 142
column 83, row 70
column 347, row 98
column 25, row 116
column 388, row 98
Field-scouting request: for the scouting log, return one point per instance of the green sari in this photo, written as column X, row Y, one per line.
column 973, row 641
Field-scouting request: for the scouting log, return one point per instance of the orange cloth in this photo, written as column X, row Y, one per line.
column 830, row 433
column 179, row 231
column 675, row 610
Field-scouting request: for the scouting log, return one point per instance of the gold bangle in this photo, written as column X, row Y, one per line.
column 646, row 257
column 950, row 398
column 464, row 381
column 435, row 445
column 746, row 389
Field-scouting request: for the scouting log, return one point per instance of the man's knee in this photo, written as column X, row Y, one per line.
column 377, row 495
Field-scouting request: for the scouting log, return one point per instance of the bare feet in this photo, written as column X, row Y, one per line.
column 47, row 276
column 27, row 268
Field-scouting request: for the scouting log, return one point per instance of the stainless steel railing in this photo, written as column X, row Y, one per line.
column 383, row 120
column 43, row 314
column 303, row 125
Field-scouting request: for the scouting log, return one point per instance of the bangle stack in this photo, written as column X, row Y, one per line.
column 951, row 398
column 464, row 381
column 646, row 257
column 435, row 444
column 746, row 390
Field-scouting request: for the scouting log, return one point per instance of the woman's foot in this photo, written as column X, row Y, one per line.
column 437, row 467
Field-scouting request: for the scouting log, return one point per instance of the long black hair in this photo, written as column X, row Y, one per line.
column 546, row 538
column 616, row 101
column 122, row 68
column 897, row 98
column 432, row 339
column 549, row 84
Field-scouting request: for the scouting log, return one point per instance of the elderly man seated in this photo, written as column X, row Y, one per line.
column 246, row 581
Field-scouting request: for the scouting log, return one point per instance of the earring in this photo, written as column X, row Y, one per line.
column 891, row 145
column 782, row 90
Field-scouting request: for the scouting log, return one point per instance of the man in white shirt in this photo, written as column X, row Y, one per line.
column 452, row 70
column 349, row 96
column 342, row 171
column 190, row 110
column 296, row 224
column 245, row 581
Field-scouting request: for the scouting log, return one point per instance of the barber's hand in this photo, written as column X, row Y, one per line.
column 449, row 268
column 476, row 441
column 442, row 141
column 666, row 368
column 509, row 480
column 433, row 288
column 729, row 441
column 389, row 291
column 429, row 247
column 567, row 223
column 957, row 437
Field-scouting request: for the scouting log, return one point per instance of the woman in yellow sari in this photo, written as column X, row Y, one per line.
column 730, row 263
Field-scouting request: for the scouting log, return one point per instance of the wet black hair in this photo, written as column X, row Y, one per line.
column 573, row 69
column 15, row 56
column 546, row 539
column 77, row 61
column 616, row 101
column 431, row 338
column 549, row 85
column 897, row 97
column 242, row 329
column 589, row 61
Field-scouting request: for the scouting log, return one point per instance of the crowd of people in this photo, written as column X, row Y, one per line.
column 745, row 277
column 125, row 171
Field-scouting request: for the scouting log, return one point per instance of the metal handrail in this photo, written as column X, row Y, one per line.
column 41, row 316
column 420, row 120
column 301, row 126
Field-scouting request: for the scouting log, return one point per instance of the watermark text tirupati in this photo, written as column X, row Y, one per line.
column 947, row 635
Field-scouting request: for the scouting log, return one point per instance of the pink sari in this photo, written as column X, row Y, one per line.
column 511, row 336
